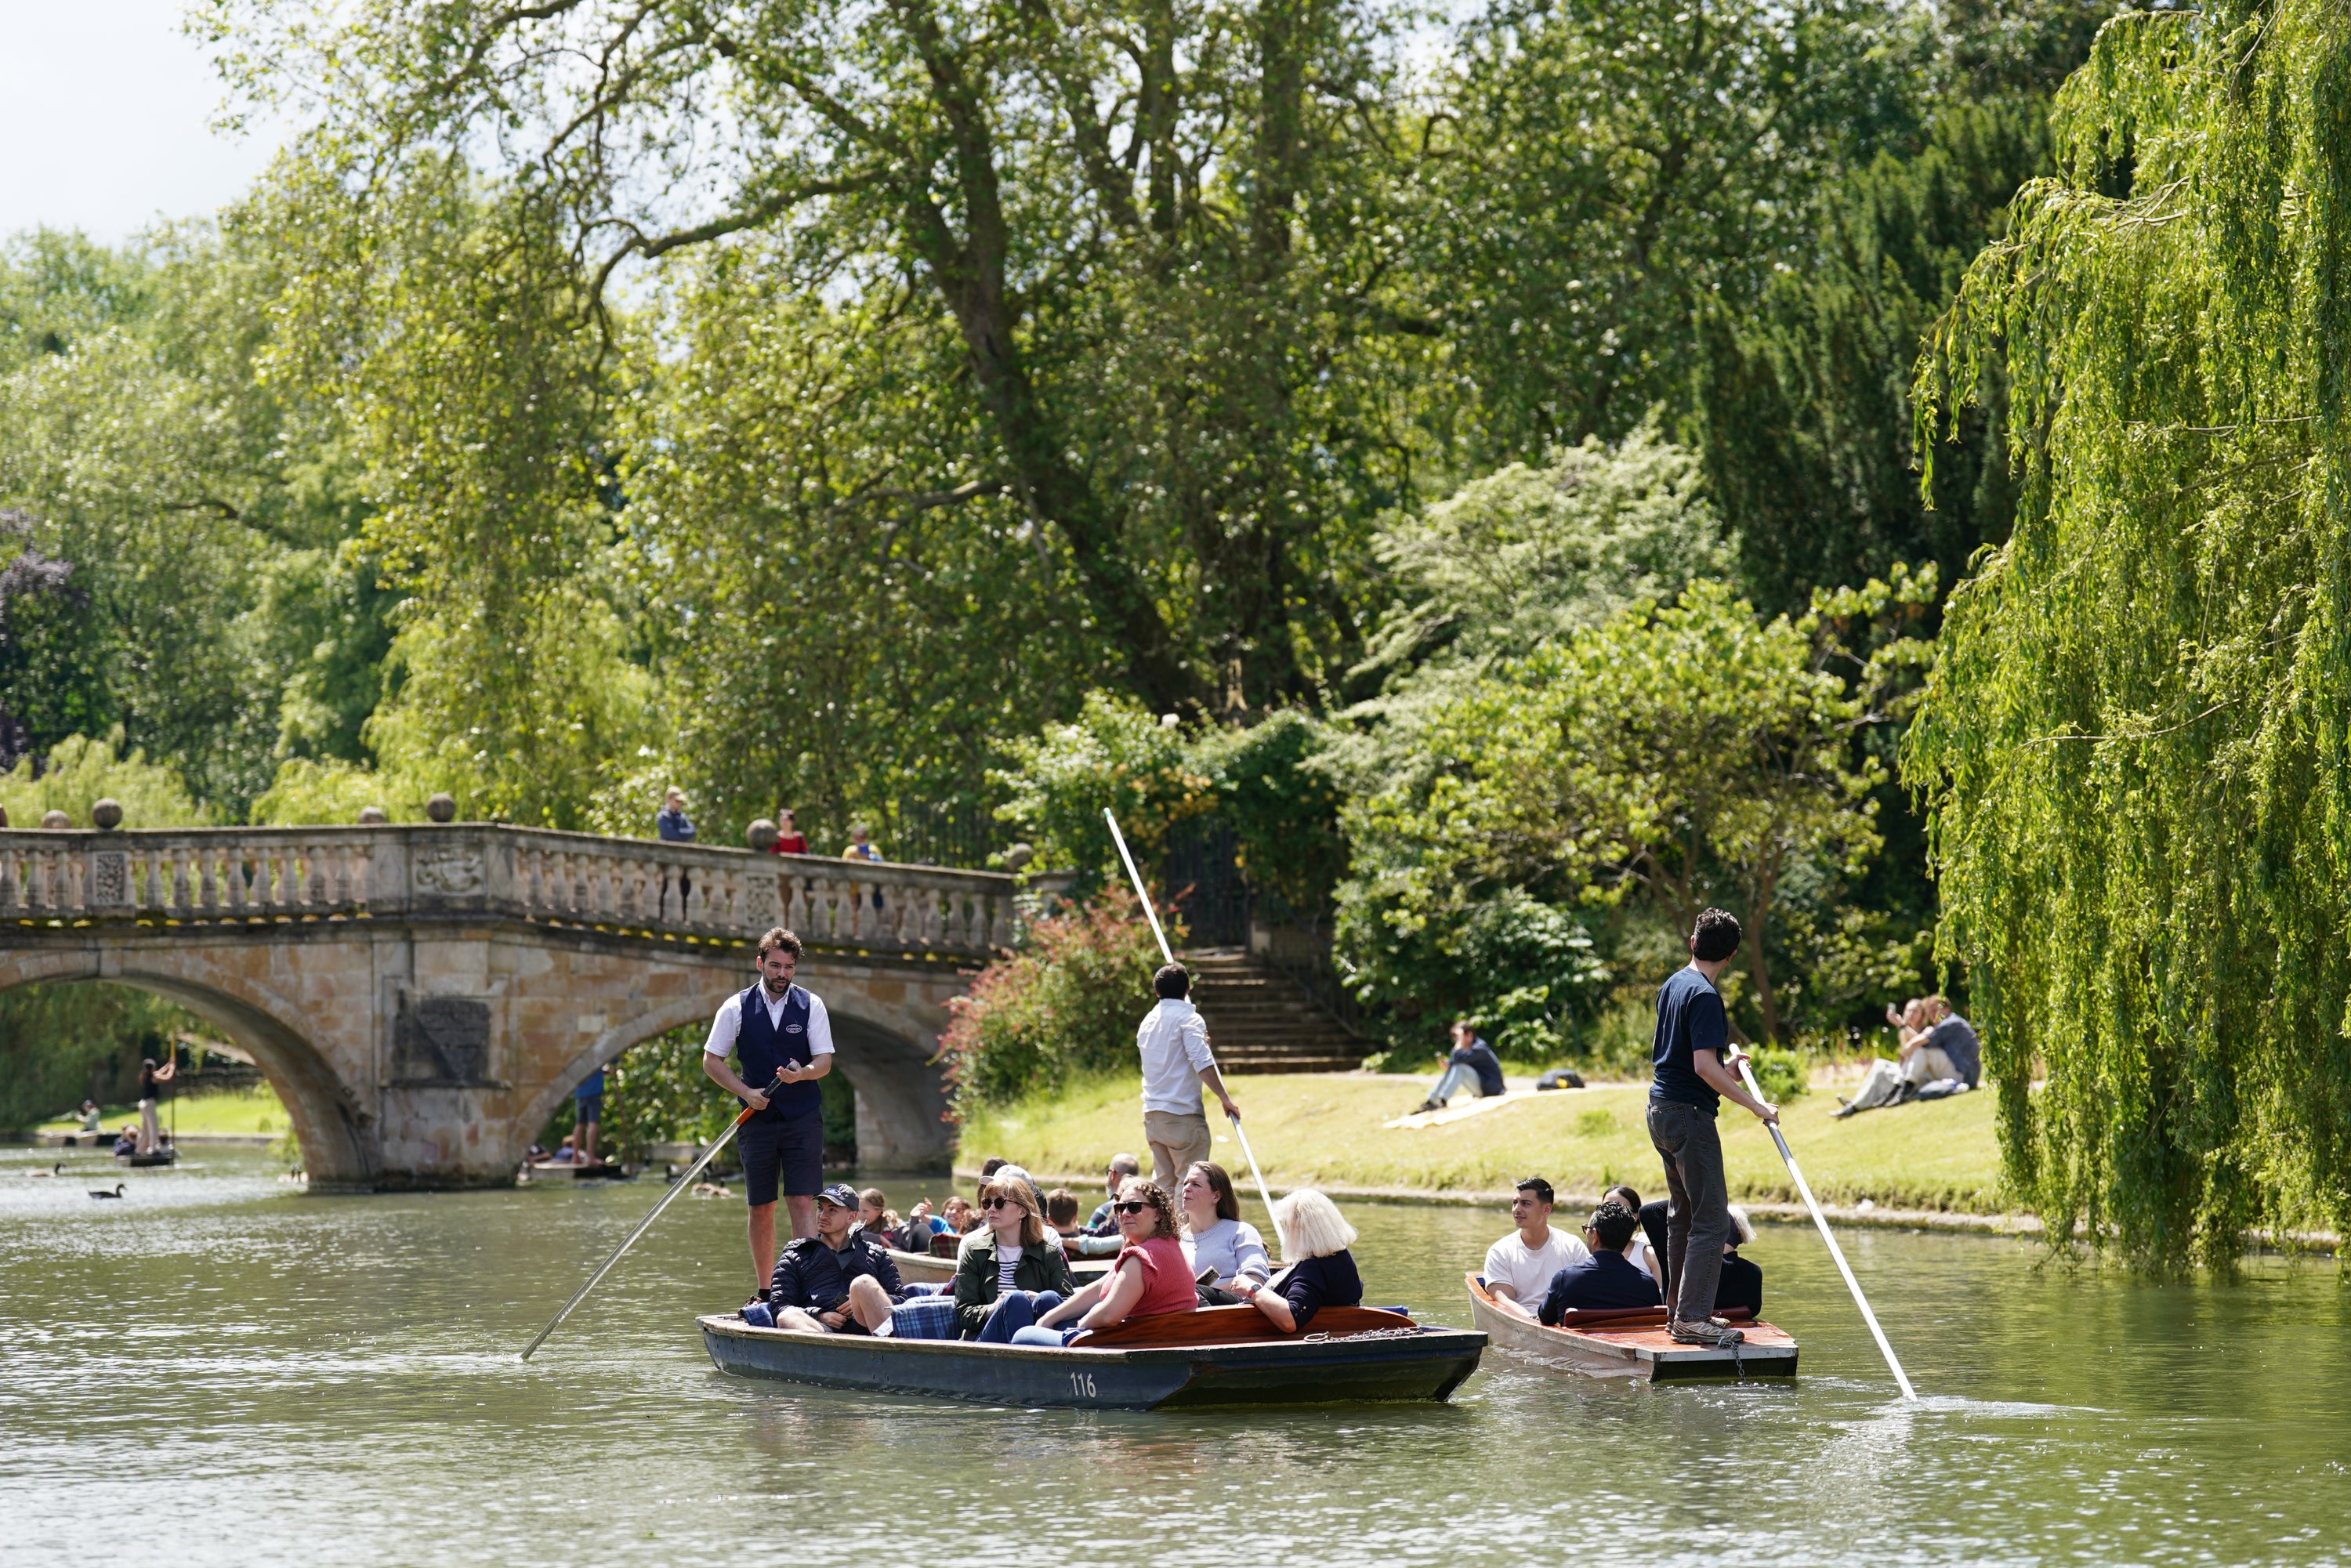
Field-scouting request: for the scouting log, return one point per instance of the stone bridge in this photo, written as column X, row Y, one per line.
column 423, row 996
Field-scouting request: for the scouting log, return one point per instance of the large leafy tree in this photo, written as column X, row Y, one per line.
column 1100, row 204
column 2134, row 746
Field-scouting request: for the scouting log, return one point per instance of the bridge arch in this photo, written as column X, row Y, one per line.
column 325, row 1125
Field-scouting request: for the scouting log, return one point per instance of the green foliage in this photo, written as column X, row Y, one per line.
column 1114, row 756
column 1067, row 1004
column 2134, row 746
column 1269, row 788
column 79, row 771
column 308, row 791
column 59, row 1043
column 1671, row 759
column 1783, row 1075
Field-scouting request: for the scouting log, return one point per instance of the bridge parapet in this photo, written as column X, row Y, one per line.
column 229, row 875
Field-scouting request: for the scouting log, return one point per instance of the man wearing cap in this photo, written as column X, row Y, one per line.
column 838, row 1281
column 784, row 1038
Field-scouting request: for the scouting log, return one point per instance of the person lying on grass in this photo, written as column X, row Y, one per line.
column 1149, row 1276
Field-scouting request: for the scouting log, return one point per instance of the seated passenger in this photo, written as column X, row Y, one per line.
column 127, row 1140
column 838, row 1281
column 876, row 1217
column 1607, row 1279
column 1014, row 1273
column 1320, row 1272
column 1216, row 1237
column 1519, row 1268
column 1644, row 1257
column 1124, row 1168
column 1741, row 1284
column 960, row 1216
column 1062, row 1211
column 1148, row 1279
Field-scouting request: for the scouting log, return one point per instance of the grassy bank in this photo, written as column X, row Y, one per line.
column 1326, row 1128
column 246, row 1112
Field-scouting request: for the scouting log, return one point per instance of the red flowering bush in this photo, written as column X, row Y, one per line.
column 1066, row 1003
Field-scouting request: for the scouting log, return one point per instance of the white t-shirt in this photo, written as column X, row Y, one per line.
column 1528, row 1270
column 729, row 1023
column 1173, row 1042
column 1637, row 1253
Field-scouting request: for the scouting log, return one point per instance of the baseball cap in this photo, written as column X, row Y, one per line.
column 839, row 1193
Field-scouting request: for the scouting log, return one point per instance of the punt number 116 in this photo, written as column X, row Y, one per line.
column 1082, row 1383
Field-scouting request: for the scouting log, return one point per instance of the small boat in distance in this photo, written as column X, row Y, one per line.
column 1631, row 1344
column 164, row 1156
column 1219, row 1355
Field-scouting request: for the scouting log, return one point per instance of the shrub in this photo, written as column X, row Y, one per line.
column 1066, row 1004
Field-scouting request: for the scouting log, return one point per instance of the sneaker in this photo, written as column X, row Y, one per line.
column 1425, row 1106
column 1710, row 1333
column 1842, row 1112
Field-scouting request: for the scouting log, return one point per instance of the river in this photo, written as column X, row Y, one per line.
column 220, row 1369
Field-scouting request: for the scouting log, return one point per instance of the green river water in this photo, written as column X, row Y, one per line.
column 220, row 1369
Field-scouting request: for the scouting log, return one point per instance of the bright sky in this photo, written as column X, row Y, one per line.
column 106, row 107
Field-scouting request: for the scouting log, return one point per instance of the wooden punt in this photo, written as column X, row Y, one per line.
column 1631, row 1344
column 923, row 1268
column 574, row 1170
column 162, row 1156
column 1221, row 1356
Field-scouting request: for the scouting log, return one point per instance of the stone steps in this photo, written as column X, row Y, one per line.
column 1260, row 1020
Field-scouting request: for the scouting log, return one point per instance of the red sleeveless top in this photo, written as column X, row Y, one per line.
column 1167, row 1280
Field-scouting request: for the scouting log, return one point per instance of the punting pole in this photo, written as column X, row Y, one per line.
column 679, row 1185
column 1835, row 1252
column 1168, row 954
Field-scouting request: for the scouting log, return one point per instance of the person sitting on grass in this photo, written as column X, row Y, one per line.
column 1124, row 1168
column 1606, row 1280
column 1015, row 1273
column 1520, row 1267
column 1216, row 1241
column 1320, row 1270
column 1472, row 1061
column 1148, row 1279
column 1936, row 1045
column 838, row 1281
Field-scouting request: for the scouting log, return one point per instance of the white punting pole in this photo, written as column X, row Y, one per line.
column 1167, row 953
column 1835, row 1252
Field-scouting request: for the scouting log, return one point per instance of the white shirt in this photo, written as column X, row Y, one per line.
column 729, row 1023
column 1528, row 1270
column 1173, row 1042
column 1637, row 1253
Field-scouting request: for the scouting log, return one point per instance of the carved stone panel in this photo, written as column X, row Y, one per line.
column 446, row 871
column 110, row 879
column 442, row 1041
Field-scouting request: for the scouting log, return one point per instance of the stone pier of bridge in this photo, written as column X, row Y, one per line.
column 422, row 998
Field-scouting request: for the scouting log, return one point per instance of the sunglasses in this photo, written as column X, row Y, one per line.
column 1130, row 1208
column 998, row 1203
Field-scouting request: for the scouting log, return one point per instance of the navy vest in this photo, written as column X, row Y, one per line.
column 764, row 1047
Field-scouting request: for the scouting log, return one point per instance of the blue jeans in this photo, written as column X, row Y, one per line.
column 1052, row 1339
column 1015, row 1311
column 1458, row 1076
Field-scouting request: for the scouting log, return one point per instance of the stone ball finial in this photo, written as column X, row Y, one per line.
column 56, row 820
column 107, row 813
column 442, row 808
column 372, row 817
column 762, row 835
column 1018, row 857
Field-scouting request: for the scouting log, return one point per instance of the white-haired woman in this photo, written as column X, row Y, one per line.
column 1316, row 1238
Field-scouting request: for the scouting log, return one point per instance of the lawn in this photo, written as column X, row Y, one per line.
column 248, row 1111
column 1326, row 1128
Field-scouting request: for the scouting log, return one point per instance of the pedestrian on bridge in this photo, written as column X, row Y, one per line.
column 783, row 1037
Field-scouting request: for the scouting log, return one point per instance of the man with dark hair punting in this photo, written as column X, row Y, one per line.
column 784, row 1038
column 1172, row 1041
column 1690, row 1052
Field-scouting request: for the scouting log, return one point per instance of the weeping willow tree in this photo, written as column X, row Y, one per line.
column 2134, row 747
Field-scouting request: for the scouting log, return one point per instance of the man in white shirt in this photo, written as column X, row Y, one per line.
column 784, row 1037
column 1520, row 1266
column 1173, row 1043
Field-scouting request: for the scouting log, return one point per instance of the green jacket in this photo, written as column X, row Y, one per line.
column 1041, row 1268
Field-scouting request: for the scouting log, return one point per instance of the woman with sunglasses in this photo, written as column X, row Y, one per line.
column 1013, row 1271
column 1148, row 1277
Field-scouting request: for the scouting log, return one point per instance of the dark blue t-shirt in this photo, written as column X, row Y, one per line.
column 590, row 1087
column 1956, row 1038
column 1689, row 1019
column 1479, row 1058
column 1609, row 1279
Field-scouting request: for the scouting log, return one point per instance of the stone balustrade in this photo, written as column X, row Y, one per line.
column 248, row 874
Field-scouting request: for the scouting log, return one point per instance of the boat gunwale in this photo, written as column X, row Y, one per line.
column 1644, row 1359
column 1225, row 1351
